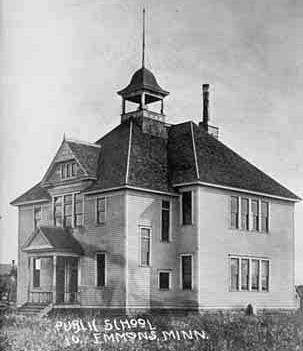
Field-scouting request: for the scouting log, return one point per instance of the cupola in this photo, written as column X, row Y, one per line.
column 143, row 90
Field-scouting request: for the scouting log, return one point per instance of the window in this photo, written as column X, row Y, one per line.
column 101, row 210
column 164, row 280
column 144, row 246
column 264, row 275
column 165, row 220
column 101, row 269
column 234, row 268
column 186, row 272
column 234, row 212
column 187, row 207
column 264, row 216
column 245, row 274
column 255, row 214
column 36, row 272
column 78, row 210
column 37, row 216
column 244, row 213
column 255, row 275
column 68, row 170
column 68, row 210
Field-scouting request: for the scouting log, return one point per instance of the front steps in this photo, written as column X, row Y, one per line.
column 30, row 308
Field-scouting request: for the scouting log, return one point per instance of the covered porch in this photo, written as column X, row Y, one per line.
column 53, row 267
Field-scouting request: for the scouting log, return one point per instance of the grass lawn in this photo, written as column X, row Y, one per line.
column 222, row 332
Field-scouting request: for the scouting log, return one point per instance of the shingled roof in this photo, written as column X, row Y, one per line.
column 87, row 155
column 36, row 193
column 59, row 239
column 128, row 156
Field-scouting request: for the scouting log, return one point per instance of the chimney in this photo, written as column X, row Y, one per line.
column 205, row 91
column 13, row 262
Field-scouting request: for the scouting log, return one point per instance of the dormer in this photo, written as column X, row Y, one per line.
column 75, row 161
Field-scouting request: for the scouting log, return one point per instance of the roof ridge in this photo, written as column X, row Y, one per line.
column 87, row 143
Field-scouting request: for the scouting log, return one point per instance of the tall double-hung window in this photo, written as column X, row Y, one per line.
column 68, row 210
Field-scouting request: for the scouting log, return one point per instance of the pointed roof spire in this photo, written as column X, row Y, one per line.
column 143, row 40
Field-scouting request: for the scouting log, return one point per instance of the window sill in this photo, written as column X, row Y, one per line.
column 144, row 266
column 248, row 231
column 166, row 241
column 249, row 291
column 162, row 289
column 101, row 287
column 100, row 224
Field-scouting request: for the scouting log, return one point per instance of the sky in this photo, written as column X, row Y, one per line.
column 62, row 62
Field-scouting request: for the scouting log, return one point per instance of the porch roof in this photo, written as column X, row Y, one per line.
column 50, row 238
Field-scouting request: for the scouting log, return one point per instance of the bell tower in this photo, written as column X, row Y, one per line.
column 143, row 90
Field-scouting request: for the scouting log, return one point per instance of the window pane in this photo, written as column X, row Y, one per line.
column 74, row 169
column 101, row 204
column 234, row 274
column 164, row 280
column 186, row 272
column 79, row 220
column 68, row 199
column 78, row 197
column 58, row 200
column 58, row 221
column 244, row 214
column 264, row 224
column 79, row 208
column 244, row 274
column 264, row 208
column 165, row 204
column 145, row 250
column 36, row 273
column 100, row 269
column 165, row 225
column 234, row 212
column 255, row 214
column 265, row 275
column 187, row 207
column 255, row 275
column 68, row 209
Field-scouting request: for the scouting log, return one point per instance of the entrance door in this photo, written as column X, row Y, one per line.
column 71, row 282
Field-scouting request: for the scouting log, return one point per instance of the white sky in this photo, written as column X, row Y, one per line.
column 62, row 62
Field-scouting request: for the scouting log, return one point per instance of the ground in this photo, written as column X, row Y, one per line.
column 211, row 332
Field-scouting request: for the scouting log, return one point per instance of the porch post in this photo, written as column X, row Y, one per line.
column 54, row 279
column 30, row 260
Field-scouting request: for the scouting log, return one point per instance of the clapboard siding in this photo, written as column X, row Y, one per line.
column 107, row 237
column 218, row 241
column 143, row 291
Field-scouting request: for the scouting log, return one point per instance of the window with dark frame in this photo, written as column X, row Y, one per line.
column 101, row 210
column 248, row 278
column 255, row 275
column 187, row 207
column 164, row 283
column 264, row 216
column 68, row 210
column 244, row 214
column 244, row 274
column 165, row 220
column 255, row 214
column 264, row 275
column 36, row 272
column 186, row 272
column 101, row 269
column 235, row 212
column 234, row 273
column 145, row 246
column 37, row 216
column 68, row 170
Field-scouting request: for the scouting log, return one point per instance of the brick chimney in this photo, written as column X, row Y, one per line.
column 214, row 131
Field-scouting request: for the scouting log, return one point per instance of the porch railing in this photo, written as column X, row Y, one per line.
column 41, row 297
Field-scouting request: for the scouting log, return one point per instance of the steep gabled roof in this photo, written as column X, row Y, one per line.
column 36, row 193
column 87, row 155
column 56, row 238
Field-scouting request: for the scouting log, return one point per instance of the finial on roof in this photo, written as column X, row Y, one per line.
column 64, row 137
column 143, row 40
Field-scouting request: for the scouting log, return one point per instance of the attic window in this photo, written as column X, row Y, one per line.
column 68, row 170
